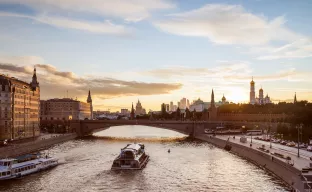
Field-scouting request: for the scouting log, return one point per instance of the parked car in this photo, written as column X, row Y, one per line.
column 283, row 142
column 309, row 148
column 291, row 144
column 276, row 141
column 302, row 146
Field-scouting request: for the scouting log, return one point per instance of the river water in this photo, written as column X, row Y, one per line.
column 191, row 166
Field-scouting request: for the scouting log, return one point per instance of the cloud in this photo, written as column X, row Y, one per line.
column 226, row 72
column 227, row 24
column 129, row 10
column 52, row 70
column 301, row 48
column 15, row 68
column 223, row 68
column 94, row 27
column 289, row 74
column 55, row 83
column 21, row 60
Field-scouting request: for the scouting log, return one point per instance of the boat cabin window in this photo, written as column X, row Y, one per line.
column 9, row 173
column 4, row 174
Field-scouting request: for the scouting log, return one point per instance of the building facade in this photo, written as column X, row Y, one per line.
column 19, row 108
column 124, row 112
column 65, row 109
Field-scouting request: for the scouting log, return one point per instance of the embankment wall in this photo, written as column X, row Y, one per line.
column 25, row 148
column 280, row 168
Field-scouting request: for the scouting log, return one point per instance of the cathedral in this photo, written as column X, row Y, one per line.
column 261, row 100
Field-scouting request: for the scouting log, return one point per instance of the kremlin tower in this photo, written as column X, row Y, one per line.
column 252, row 92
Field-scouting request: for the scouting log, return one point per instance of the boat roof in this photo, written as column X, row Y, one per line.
column 7, row 160
column 133, row 146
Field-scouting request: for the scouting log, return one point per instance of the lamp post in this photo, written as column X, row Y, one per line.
column 299, row 127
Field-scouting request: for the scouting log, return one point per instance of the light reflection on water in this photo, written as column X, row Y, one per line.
column 191, row 166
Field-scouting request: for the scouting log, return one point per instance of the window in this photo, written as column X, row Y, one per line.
column 9, row 173
column 4, row 174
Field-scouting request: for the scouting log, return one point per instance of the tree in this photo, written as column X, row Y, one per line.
column 178, row 114
column 194, row 114
column 164, row 113
column 187, row 114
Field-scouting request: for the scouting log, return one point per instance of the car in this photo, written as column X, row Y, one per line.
column 309, row 148
column 291, row 144
column 283, row 142
column 302, row 146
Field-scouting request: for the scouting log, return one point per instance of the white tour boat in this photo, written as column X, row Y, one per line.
column 133, row 156
column 25, row 165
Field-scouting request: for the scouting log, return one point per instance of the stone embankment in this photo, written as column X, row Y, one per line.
column 32, row 146
column 287, row 173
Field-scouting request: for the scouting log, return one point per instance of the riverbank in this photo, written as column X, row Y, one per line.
column 32, row 146
column 289, row 174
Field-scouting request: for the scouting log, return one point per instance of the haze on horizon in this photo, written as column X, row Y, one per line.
column 159, row 50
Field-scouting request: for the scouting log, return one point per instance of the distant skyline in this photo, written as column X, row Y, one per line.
column 159, row 50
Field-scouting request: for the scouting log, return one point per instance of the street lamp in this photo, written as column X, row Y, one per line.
column 299, row 127
column 269, row 130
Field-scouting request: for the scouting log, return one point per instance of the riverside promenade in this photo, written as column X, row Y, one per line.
column 292, row 175
column 29, row 146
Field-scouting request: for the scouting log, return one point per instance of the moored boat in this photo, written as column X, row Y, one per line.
column 132, row 156
column 25, row 165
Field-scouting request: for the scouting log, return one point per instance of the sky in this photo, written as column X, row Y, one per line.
column 159, row 50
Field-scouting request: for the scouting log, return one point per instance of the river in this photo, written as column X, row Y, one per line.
column 191, row 166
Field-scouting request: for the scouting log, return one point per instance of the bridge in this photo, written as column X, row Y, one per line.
column 87, row 127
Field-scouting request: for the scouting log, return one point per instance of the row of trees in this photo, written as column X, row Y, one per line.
column 282, row 107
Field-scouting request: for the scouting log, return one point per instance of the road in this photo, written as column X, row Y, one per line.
column 302, row 162
column 291, row 150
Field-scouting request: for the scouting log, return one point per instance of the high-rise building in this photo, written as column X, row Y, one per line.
column 183, row 103
column 174, row 108
column 171, row 106
column 139, row 109
column 167, row 107
column 188, row 104
column 66, row 109
column 252, row 92
column 19, row 108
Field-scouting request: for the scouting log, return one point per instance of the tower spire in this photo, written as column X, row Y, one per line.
column 212, row 104
column 89, row 99
column 132, row 112
column 34, row 82
column 295, row 99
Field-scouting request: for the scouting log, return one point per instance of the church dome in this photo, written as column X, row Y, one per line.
column 223, row 98
column 252, row 81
